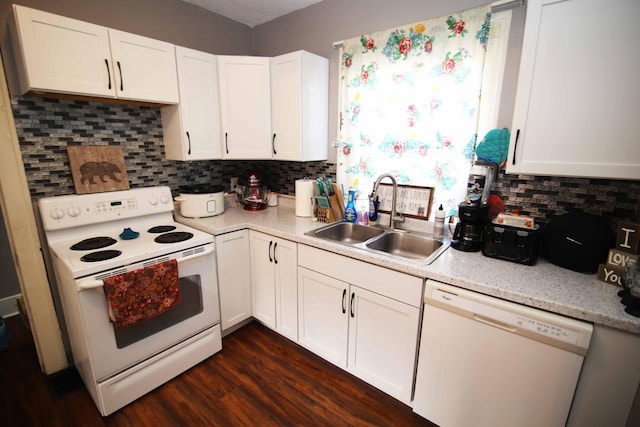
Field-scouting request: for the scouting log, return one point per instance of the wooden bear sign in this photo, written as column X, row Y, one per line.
column 97, row 169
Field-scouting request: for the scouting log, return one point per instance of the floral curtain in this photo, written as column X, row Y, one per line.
column 409, row 105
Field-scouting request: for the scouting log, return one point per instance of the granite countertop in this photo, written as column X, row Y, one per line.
column 544, row 285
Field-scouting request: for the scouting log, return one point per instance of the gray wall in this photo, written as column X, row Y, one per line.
column 317, row 27
column 172, row 21
column 8, row 280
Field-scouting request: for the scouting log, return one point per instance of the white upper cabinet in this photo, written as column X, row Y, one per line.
column 145, row 68
column 192, row 128
column 299, row 106
column 245, row 107
column 578, row 97
column 63, row 55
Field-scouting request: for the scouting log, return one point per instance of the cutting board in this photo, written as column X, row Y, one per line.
column 97, row 168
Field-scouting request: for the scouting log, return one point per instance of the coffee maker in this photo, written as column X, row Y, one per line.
column 473, row 212
column 470, row 230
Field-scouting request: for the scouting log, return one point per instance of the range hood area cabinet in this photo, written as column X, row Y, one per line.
column 299, row 106
column 576, row 111
column 57, row 54
column 191, row 129
column 245, row 107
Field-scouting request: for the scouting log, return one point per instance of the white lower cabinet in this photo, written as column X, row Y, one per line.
column 366, row 323
column 322, row 320
column 234, row 279
column 274, row 283
column 382, row 342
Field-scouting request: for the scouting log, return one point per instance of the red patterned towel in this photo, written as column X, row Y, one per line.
column 142, row 294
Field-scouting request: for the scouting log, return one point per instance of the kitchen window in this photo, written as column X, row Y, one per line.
column 410, row 102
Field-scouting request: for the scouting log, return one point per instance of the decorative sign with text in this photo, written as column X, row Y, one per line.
column 413, row 201
column 626, row 250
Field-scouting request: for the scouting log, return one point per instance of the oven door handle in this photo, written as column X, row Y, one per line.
column 207, row 251
column 92, row 283
column 89, row 284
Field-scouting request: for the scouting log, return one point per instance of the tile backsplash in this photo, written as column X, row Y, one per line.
column 46, row 126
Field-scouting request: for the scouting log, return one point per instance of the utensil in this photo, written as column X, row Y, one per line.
column 323, row 200
column 330, row 187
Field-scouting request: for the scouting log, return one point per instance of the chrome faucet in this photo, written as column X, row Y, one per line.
column 393, row 217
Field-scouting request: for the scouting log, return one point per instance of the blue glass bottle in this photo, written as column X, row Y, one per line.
column 350, row 212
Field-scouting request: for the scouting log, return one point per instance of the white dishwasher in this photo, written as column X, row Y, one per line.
column 487, row 362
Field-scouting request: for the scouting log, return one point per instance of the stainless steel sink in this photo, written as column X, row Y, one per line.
column 392, row 242
column 346, row 232
column 406, row 245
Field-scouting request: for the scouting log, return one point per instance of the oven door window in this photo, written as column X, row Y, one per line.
column 190, row 305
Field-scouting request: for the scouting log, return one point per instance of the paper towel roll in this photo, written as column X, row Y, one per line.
column 304, row 193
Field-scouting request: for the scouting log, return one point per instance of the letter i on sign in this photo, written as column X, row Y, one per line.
column 627, row 238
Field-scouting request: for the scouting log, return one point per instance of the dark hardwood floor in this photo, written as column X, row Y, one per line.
column 259, row 379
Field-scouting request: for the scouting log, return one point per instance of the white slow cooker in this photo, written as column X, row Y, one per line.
column 199, row 201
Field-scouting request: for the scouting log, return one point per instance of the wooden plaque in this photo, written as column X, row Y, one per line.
column 97, row 168
column 628, row 237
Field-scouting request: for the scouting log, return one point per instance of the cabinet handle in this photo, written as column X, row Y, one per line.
column 275, row 246
column 120, row 71
column 226, row 142
column 515, row 147
column 106, row 62
column 273, row 144
column 189, row 141
column 344, row 301
column 270, row 244
column 353, row 295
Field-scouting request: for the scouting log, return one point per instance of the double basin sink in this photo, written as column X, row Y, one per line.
column 401, row 244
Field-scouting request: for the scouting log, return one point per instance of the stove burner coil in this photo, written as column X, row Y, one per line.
column 161, row 228
column 93, row 243
column 173, row 237
column 100, row 255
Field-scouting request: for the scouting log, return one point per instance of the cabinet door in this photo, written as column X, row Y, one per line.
column 245, row 107
column 192, row 128
column 61, row 54
column 234, row 278
column 383, row 337
column 299, row 106
column 286, row 262
column 263, row 293
column 322, row 316
column 573, row 115
column 145, row 68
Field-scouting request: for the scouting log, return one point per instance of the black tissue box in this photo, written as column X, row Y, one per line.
column 510, row 243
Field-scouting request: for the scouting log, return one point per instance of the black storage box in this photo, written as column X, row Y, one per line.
column 579, row 242
column 510, row 243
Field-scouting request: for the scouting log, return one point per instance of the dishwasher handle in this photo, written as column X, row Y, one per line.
column 494, row 323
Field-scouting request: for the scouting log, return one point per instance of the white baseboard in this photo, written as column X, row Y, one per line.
column 9, row 306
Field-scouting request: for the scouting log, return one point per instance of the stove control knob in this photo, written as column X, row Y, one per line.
column 56, row 213
column 164, row 200
column 153, row 200
column 73, row 211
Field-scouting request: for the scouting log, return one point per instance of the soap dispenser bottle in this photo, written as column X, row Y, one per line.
column 373, row 209
column 438, row 229
column 350, row 212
